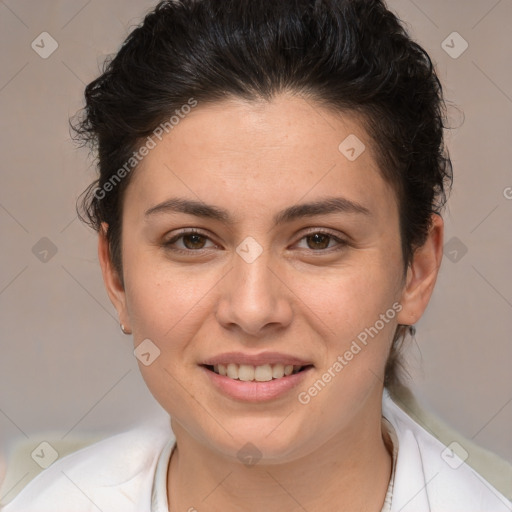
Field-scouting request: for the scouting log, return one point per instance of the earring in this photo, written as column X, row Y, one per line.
column 124, row 330
column 412, row 330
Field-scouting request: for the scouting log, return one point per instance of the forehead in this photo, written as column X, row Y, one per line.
column 262, row 153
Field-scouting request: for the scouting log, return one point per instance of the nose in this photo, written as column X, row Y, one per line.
column 255, row 298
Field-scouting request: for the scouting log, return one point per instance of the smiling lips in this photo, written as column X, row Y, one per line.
column 260, row 368
column 262, row 373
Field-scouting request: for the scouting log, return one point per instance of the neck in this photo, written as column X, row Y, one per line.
column 350, row 471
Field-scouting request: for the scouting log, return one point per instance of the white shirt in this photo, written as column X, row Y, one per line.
column 127, row 473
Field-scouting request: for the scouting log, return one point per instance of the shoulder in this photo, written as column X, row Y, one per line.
column 433, row 477
column 115, row 474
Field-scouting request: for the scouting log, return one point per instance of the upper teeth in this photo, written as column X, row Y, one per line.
column 247, row 372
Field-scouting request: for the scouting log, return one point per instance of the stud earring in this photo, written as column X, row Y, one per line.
column 124, row 329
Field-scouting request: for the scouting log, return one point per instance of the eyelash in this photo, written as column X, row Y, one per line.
column 169, row 243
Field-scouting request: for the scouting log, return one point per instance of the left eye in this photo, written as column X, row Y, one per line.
column 319, row 241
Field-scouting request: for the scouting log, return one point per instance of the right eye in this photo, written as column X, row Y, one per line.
column 192, row 241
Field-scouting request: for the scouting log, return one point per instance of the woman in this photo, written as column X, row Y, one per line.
column 271, row 177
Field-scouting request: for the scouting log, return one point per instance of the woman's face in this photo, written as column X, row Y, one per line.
column 301, row 264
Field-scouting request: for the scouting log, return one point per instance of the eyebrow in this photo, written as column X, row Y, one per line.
column 325, row 206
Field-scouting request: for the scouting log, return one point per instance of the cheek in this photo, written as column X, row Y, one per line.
column 163, row 304
column 357, row 312
column 167, row 308
column 348, row 300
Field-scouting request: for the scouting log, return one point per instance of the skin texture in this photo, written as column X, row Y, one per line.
column 302, row 296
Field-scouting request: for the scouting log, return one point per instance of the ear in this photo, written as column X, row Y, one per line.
column 115, row 288
column 422, row 274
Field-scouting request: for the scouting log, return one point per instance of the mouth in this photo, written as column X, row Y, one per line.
column 261, row 373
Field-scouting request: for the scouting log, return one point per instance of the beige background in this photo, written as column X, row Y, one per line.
column 64, row 364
